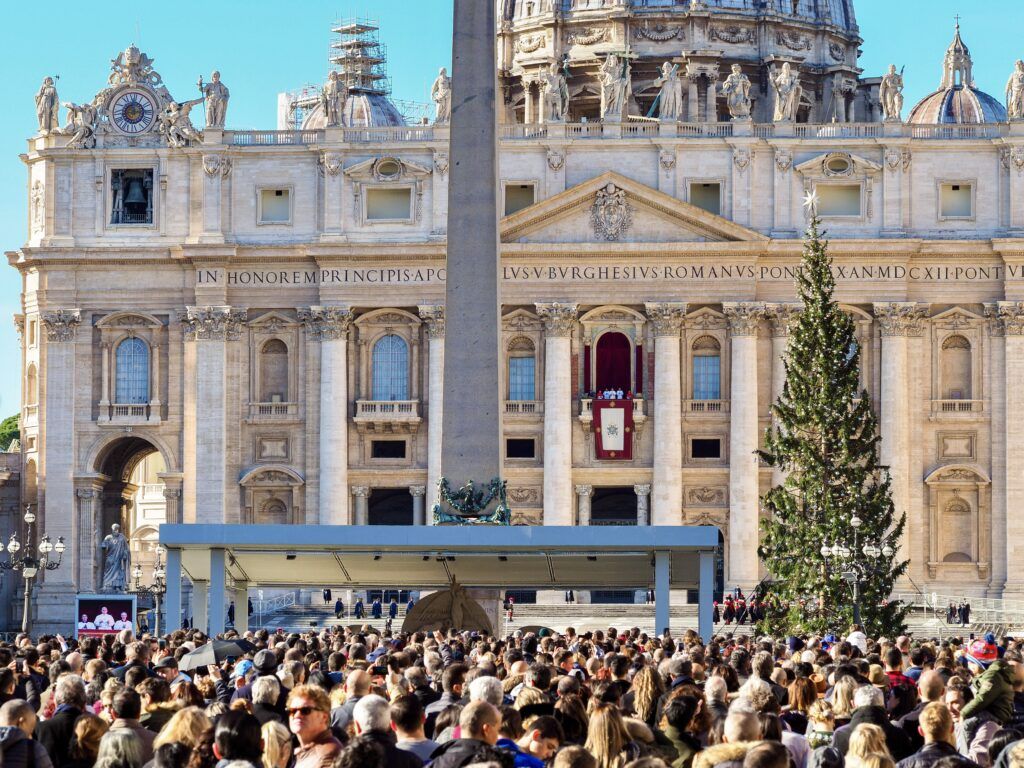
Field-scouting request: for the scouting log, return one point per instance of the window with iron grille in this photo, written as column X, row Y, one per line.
column 132, row 382
column 522, row 378
column 391, row 369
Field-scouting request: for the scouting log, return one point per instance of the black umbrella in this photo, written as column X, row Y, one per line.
column 215, row 652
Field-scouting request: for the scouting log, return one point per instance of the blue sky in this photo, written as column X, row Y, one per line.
column 264, row 47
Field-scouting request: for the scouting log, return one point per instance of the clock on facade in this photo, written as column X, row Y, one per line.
column 133, row 112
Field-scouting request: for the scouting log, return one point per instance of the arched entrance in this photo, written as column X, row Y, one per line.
column 131, row 495
column 613, row 367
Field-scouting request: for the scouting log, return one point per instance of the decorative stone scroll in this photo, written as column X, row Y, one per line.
column 433, row 316
column 326, row 323
column 212, row 323
column 659, row 32
column 559, row 319
column 666, row 317
column 589, row 36
column 901, row 319
column 744, row 317
column 60, row 324
column 731, row 34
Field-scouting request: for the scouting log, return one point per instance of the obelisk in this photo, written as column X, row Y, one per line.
column 471, row 441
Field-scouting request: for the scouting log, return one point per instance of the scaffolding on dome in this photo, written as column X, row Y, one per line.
column 358, row 56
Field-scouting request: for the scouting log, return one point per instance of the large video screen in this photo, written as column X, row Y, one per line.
column 104, row 614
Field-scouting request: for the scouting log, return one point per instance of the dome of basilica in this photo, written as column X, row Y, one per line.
column 363, row 109
column 958, row 101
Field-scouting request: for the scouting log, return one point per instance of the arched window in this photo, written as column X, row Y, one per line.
column 956, row 527
column 522, row 370
column 274, row 372
column 391, row 369
column 707, row 369
column 31, row 385
column 613, row 367
column 132, row 365
column 956, row 368
column 273, row 512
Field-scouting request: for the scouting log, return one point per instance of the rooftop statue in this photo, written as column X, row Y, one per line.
column 48, row 107
column 175, row 124
column 1015, row 93
column 81, row 125
column 441, row 93
column 216, row 95
column 890, row 95
column 736, row 89
column 786, row 84
column 616, row 79
column 333, row 96
column 556, row 94
column 670, row 100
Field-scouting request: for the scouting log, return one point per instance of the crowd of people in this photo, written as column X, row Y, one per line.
column 341, row 698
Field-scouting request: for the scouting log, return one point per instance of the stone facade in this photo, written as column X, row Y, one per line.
column 271, row 322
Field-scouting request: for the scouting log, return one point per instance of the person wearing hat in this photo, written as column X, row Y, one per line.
column 167, row 668
column 265, row 665
column 992, row 705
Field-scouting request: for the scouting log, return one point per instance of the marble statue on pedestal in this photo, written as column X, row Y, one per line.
column 736, row 89
column 117, row 560
column 47, row 107
column 670, row 103
column 615, row 77
column 333, row 97
column 175, row 124
column 556, row 94
column 1015, row 93
column 81, row 125
column 216, row 95
column 441, row 93
column 890, row 95
column 788, row 91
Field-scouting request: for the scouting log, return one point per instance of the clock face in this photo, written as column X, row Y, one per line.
column 133, row 112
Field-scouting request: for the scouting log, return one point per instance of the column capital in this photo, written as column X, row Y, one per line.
column 86, row 493
column 666, row 317
column 1007, row 317
column 361, row 491
column 744, row 317
column 433, row 316
column 901, row 318
column 418, row 490
column 60, row 324
column 584, row 490
column 172, row 493
column 783, row 317
column 326, row 323
column 558, row 318
column 642, row 489
column 220, row 323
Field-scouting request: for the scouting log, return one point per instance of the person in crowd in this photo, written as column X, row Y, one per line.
column 452, row 680
column 408, row 719
column 55, row 733
column 119, row 748
column 371, row 718
column 277, row 745
column 869, row 703
column 480, row 724
column 936, row 727
column 127, row 709
column 18, row 749
column 157, row 708
column 538, row 743
column 89, row 730
column 238, row 739
column 265, row 692
column 309, row 718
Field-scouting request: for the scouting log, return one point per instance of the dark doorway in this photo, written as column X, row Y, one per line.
column 613, row 369
column 401, row 596
column 390, row 506
column 613, row 506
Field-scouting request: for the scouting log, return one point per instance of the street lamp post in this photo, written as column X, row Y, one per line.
column 856, row 569
column 28, row 564
column 157, row 589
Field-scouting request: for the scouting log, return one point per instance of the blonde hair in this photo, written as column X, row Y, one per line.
column 529, row 696
column 187, row 726
column 277, row 742
column 936, row 722
column 606, row 735
column 89, row 729
column 876, row 760
column 820, row 713
column 866, row 740
column 647, row 689
column 842, row 696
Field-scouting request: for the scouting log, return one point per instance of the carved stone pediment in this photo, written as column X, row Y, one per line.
column 129, row 320
column 612, row 208
column 838, row 165
column 272, row 322
column 276, row 476
column 387, row 169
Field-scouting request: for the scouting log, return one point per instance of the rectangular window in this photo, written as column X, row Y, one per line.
column 520, row 448
column 838, row 199
column 705, row 448
column 707, row 377
column 707, row 195
column 956, row 201
column 387, row 449
column 519, row 196
column 521, row 378
column 387, row 204
column 131, row 196
column 275, row 206
column 31, row 333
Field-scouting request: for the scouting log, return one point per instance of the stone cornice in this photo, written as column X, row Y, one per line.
column 559, row 319
column 901, row 318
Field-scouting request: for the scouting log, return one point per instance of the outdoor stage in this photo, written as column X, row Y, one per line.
column 430, row 557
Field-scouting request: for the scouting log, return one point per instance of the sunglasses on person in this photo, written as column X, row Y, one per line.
column 304, row 711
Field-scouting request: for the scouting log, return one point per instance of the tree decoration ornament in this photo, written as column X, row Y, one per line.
column 833, row 516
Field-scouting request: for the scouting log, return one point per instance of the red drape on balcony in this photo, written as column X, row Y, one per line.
column 613, row 367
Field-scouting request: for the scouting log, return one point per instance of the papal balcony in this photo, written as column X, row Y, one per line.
column 277, row 412
column 388, row 415
column 129, row 413
column 705, row 407
column 587, row 412
column 957, row 408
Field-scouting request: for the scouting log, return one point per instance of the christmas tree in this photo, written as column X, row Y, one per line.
column 832, row 535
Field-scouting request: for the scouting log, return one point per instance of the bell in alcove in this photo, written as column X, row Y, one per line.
column 135, row 195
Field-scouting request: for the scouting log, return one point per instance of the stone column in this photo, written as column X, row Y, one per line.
column 998, row 415
column 744, row 467
column 330, row 326
column 172, row 598
column 200, row 595
column 172, row 505
column 418, row 515
column 584, row 494
column 783, row 317
column 84, row 549
column 362, row 511
column 712, row 103
column 692, row 100
column 218, row 595
column 558, row 325
column 643, row 503
column 209, row 329
column 433, row 316
column 57, row 412
column 898, row 322
column 1011, row 317
column 666, row 322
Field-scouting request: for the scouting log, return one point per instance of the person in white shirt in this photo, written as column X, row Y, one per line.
column 104, row 620
column 124, row 622
column 85, row 623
